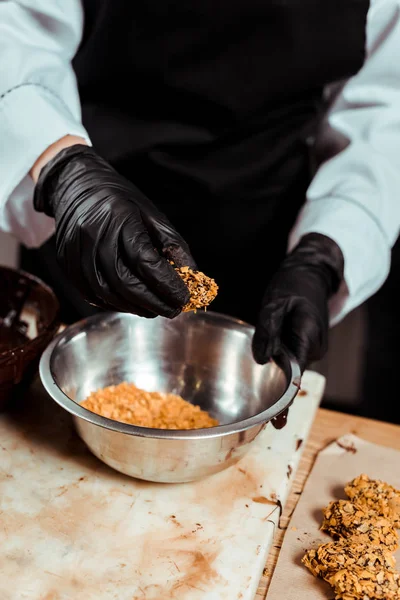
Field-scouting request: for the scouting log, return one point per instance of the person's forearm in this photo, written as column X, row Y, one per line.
column 53, row 150
column 353, row 198
column 39, row 103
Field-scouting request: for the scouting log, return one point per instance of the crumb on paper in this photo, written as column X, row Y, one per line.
column 202, row 288
column 127, row 403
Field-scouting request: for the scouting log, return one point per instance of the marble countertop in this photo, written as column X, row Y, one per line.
column 73, row 529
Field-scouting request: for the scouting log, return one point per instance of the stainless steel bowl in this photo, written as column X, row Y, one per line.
column 204, row 357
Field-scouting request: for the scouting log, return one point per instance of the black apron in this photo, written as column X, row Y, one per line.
column 209, row 107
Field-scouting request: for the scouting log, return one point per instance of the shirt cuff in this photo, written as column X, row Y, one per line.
column 365, row 249
column 31, row 119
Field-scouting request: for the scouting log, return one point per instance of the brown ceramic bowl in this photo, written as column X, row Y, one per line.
column 40, row 313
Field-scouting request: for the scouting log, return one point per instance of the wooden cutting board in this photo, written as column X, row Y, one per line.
column 73, row 529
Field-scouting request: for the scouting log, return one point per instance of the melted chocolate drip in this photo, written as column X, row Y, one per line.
column 280, row 421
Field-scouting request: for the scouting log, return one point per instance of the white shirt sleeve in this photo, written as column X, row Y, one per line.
column 354, row 196
column 39, row 102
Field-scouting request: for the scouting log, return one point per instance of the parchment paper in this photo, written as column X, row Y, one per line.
column 337, row 464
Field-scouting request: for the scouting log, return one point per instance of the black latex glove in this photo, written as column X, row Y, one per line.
column 294, row 314
column 111, row 241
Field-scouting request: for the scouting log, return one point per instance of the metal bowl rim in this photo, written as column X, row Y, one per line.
column 79, row 411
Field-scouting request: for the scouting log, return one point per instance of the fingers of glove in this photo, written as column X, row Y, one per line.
column 267, row 341
column 168, row 239
column 296, row 340
column 81, row 252
column 135, row 294
column 106, row 296
column 70, row 257
column 99, row 294
column 180, row 256
column 140, row 256
column 303, row 336
column 76, row 254
column 91, row 247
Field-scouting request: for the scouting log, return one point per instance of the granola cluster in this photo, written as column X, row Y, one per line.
column 351, row 584
column 360, row 565
column 344, row 519
column 375, row 494
column 202, row 289
column 328, row 559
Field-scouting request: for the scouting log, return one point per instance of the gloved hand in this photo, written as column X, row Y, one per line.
column 111, row 241
column 294, row 314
